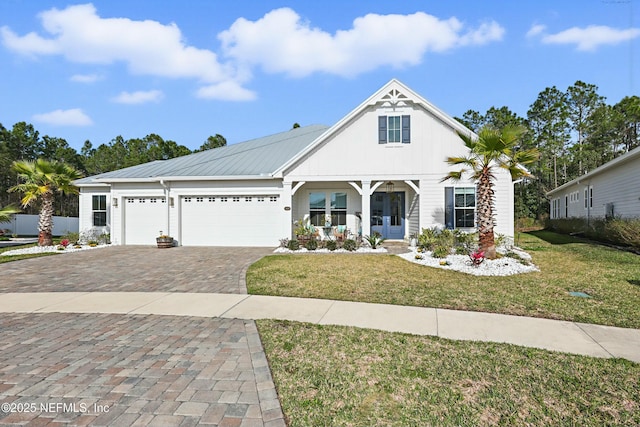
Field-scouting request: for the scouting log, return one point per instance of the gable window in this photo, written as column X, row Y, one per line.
column 394, row 129
column 99, row 210
column 460, row 207
column 338, row 209
column 317, row 208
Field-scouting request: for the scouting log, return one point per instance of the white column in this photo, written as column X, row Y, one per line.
column 366, row 208
column 287, row 206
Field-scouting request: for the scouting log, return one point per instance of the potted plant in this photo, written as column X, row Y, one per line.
column 303, row 231
column 163, row 241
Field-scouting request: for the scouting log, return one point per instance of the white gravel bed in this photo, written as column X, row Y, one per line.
column 46, row 249
column 504, row 266
column 282, row 250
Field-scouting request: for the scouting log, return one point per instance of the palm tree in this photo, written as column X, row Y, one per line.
column 6, row 212
column 490, row 149
column 41, row 179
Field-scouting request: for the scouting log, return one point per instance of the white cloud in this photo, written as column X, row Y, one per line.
column 226, row 91
column 139, row 97
column 85, row 78
column 279, row 42
column 585, row 39
column 535, row 30
column 282, row 42
column 72, row 117
column 146, row 47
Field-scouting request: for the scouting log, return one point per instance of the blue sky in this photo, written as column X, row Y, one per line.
column 245, row 69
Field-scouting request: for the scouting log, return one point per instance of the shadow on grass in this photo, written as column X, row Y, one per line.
column 555, row 238
column 634, row 282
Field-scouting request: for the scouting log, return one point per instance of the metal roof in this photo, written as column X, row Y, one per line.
column 258, row 157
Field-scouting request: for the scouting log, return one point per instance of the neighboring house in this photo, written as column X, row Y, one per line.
column 612, row 190
column 377, row 169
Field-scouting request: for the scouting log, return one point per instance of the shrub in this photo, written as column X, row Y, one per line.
column 284, row 242
column 374, row 240
column 447, row 240
column 441, row 251
column 311, row 245
column 293, row 245
column 71, row 236
column 465, row 242
column 619, row 231
column 332, row 245
column 427, row 239
column 4, row 238
column 349, row 245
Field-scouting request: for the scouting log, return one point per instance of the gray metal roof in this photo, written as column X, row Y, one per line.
column 257, row 157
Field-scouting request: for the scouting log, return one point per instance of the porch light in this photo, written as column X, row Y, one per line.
column 171, row 201
column 114, row 202
column 390, row 187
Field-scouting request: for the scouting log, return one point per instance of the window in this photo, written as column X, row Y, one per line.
column 588, row 197
column 566, row 206
column 394, row 129
column 338, row 208
column 460, row 207
column 99, row 209
column 317, row 207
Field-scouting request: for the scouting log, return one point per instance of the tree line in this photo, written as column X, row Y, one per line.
column 24, row 142
column 575, row 131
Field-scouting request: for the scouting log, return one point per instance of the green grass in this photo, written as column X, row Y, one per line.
column 10, row 258
column 332, row 375
column 610, row 276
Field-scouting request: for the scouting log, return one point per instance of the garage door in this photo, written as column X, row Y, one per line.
column 230, row 220
column 144, row 218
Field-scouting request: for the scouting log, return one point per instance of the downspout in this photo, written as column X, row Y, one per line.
column 166, row 195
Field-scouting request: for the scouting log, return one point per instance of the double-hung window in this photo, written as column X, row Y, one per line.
column 460, row 207
column 394, row 129
column 99, row 210
column 338, row 209
column 317, row 209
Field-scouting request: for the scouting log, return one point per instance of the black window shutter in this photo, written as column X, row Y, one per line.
column 406, row 129
column 382, row 129
column 448, row 208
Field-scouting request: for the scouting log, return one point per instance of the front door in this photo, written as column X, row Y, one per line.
column 387, row 214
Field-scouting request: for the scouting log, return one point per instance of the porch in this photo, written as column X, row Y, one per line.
column 352, row 209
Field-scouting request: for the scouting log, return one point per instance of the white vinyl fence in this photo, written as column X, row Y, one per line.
column 27, row 225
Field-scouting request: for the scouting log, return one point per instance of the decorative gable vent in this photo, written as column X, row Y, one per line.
column 395, row 98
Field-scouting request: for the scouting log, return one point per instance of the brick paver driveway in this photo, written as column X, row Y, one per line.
column 122, row 370
column 134, row 268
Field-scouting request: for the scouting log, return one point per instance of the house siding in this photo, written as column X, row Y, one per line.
column 618, row 185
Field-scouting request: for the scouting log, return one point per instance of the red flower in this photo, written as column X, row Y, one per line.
column 64, row 242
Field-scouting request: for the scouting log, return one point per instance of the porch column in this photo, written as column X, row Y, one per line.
column 287, row 207
column 366, row 208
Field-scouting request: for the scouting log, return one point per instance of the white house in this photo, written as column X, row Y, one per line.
column 377, row 169
column 611, row 190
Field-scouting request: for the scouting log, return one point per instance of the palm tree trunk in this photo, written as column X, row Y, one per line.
column 45, row 222
column 486, row 240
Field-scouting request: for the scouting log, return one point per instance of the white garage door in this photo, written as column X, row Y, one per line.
column 144, row 218
column 230, row 220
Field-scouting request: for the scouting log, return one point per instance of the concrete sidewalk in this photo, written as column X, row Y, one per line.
column 555, row 335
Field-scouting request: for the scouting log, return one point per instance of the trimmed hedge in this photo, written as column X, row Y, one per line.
column 619, row 231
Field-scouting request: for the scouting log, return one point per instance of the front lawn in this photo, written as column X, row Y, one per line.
column 9, row 258
column 333, row 375
column 567, row 264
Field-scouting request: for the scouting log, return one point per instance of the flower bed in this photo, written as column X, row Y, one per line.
column 504, row 266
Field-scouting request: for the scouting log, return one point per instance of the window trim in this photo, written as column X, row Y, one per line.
column 450, row 207
column 101, row 198
column 403, row 129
